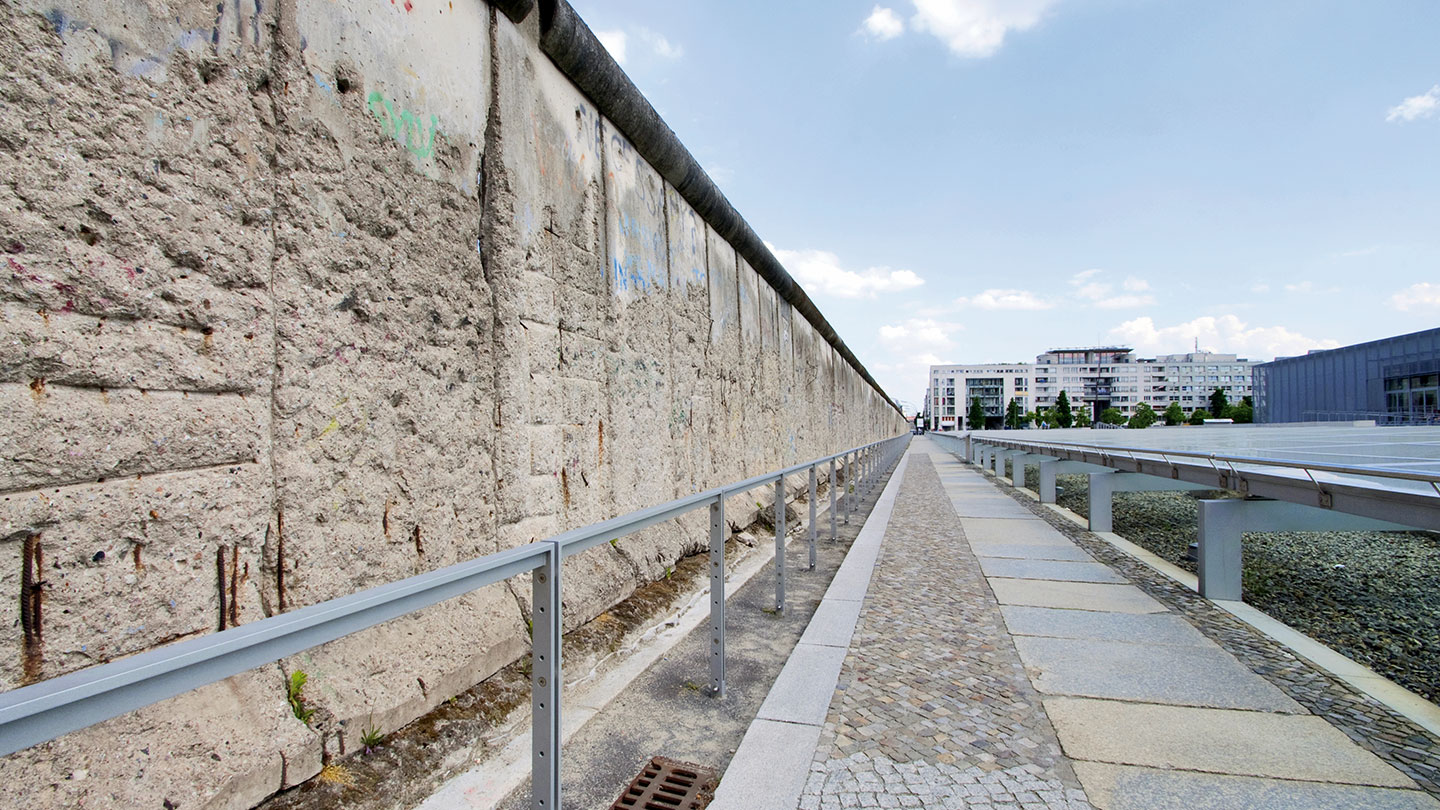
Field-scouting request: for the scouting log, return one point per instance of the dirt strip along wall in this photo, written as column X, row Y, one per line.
column 310, row 296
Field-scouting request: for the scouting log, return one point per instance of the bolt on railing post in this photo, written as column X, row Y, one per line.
column 717, row 597
column 545, row 681
column 834, row 530
column 813, row 486
column 780, row 545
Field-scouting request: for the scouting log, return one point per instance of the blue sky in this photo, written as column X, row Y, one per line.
column 981, row 180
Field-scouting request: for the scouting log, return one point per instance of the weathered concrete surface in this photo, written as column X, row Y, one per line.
column 305, row 297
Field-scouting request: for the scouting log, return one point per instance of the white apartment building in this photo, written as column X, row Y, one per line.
column 1094, row 378
column 953, row 387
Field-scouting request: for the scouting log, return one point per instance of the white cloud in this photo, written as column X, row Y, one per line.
column 1005, row 299
column 660, row 45
column 1101, row 294
column 1421, row 296
column 614, row 42
column 1302, row 287
column 1260, row 288
column 617, row 41
column 884, row 23
column 1414, row 108
column 918, row 333
column 820, row 271
column 1226, row 333
column 977, row 28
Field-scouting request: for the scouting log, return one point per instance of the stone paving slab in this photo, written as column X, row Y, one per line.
column 769, row 770
column 1184, row 676
column 1032, row 551
column 1050, row 570
column 1012, row 530
column 1074, row 595
column 1155, row 628
column 980, row 506
column 1243, row 743
column 793, row 698
column 833, row 623
column 1124, row 787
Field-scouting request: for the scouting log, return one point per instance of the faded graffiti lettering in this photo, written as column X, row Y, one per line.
column 404, row 126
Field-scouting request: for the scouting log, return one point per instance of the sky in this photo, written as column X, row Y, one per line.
column 969, row 181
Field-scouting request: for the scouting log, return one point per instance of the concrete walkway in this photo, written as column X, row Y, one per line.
column 990, row 662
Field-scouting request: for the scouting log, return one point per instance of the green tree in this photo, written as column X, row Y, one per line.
column 1112, row 416
column 1199, row 416
column 1082, row 418
column 1030, row 418
column 1012, row 415
column 1219, row 403
column 1174, row 414
column 1063, row 413
column 1143, row 417
column 1244, row 413
column 1049, row 417
column 977, row 414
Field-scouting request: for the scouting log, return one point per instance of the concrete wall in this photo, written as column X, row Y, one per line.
column 309, row 296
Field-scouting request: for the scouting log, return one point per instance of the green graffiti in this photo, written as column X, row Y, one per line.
column 403, row 125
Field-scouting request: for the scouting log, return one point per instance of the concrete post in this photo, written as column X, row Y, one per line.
column 1103, row 486
column 1047, row 480
column 1224, row 522
column 1221, row 528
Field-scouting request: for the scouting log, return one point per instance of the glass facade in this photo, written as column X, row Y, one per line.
column 1395, row 381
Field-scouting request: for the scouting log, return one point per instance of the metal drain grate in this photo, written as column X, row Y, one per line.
column 667, row 784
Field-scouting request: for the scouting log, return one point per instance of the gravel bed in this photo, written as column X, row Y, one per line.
column 1373, row 596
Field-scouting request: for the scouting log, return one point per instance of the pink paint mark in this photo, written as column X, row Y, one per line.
column 69, row 306
column 408, row 6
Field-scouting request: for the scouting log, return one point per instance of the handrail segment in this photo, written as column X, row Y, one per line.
column 1105, row 449
column 40, row 712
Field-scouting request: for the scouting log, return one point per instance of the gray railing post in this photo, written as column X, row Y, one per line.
column 545, row 680
column 717, row 597
column 812, row 516
column 780, row 545
column 848, row 460
column 834, row 530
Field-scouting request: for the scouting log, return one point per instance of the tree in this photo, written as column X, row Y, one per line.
column 1143, row 417
column 1012, row 415
column 1030, row 418
column 1199, row 416
column 1174, row 414
column 1049, row 417
column 1219, row 403
column 1244, row 413
column 977, row 414
column 1062, row 410
column 1082, row 418
column 1112, row 416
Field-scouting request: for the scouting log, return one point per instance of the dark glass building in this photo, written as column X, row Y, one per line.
column 1394, row 381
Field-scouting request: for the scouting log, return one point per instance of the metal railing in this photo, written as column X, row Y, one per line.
column 40, row 712
column 1401, row 418
column 1373, row 492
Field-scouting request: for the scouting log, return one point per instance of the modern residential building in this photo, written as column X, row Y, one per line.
column 1392, row 381
column 952, row 388
column 1093, row 378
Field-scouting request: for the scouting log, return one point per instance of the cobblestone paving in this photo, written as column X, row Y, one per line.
column 933, row 707
column 1411, row 749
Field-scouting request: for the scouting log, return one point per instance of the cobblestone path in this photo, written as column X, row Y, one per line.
column 933, row 707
